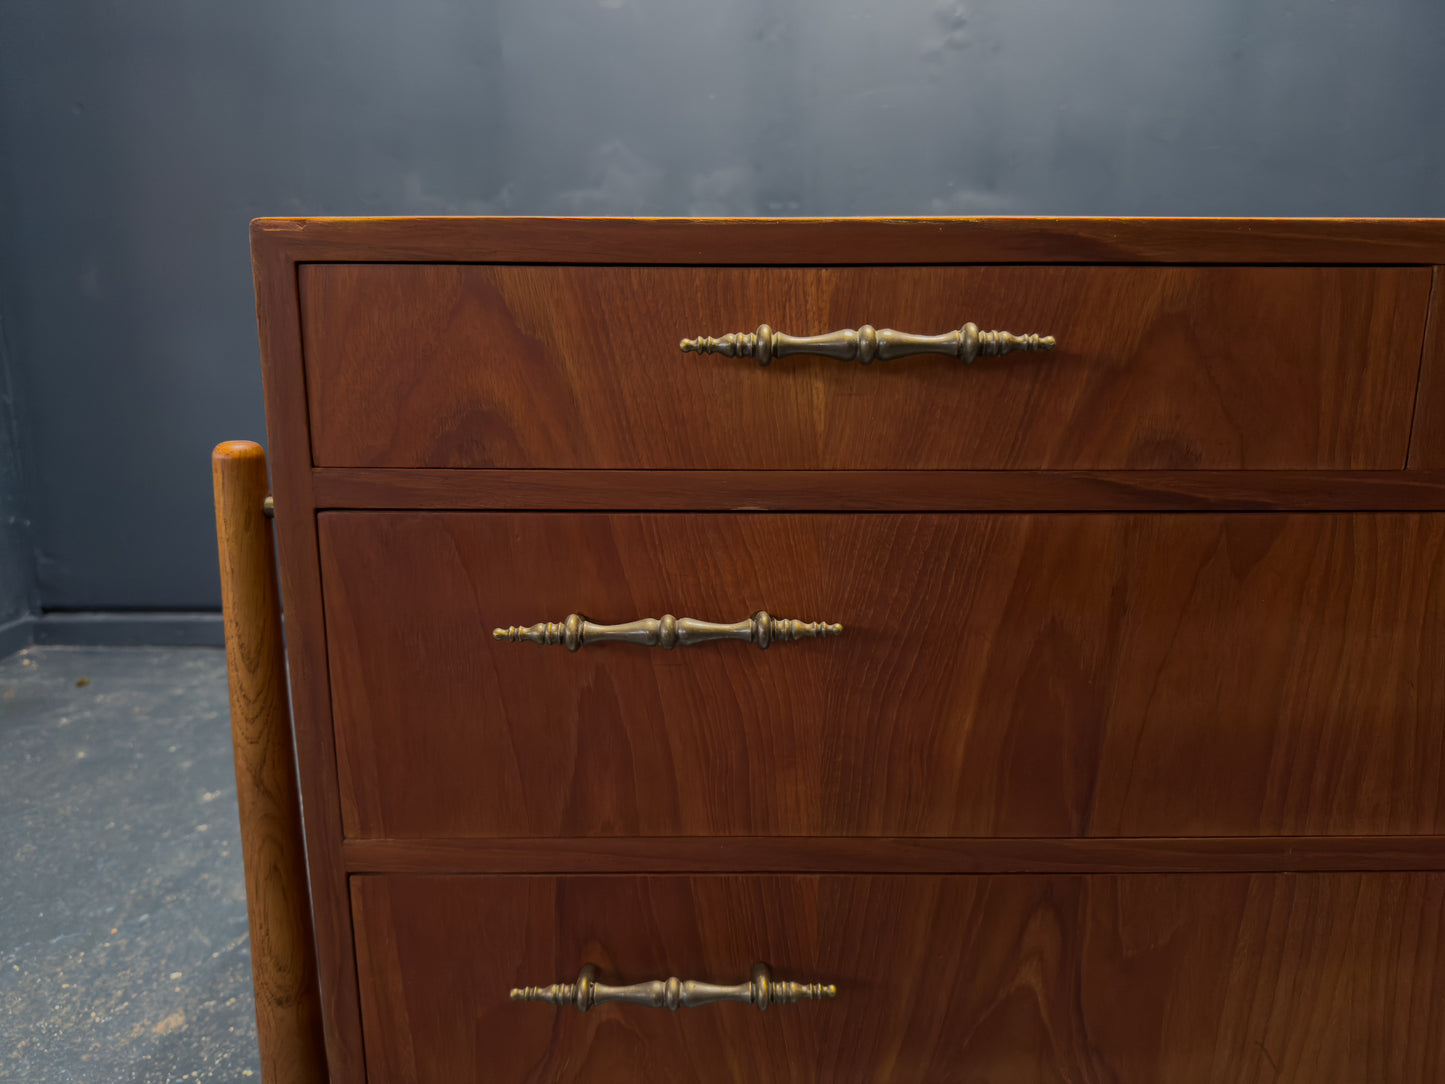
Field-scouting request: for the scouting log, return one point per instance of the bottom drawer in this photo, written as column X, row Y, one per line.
column 1178, row 978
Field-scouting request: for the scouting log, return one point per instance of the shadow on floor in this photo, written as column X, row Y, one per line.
column 123, row 946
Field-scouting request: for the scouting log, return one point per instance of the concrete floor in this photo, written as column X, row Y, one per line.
column 123, row 946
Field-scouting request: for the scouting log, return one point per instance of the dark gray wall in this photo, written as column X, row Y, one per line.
column 139, row 138
column 18, row 591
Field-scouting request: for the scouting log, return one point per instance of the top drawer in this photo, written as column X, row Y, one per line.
column 493, row 365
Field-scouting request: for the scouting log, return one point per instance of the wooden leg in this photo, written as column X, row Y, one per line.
column 283, row 952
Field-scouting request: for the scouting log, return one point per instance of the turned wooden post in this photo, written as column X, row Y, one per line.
column 278, row 903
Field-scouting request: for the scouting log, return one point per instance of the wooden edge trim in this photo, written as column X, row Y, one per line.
column 882, row 491
column 895, row 855
column 278, row 902
column 283, row 381
column 1427, row 427
column 793, row 241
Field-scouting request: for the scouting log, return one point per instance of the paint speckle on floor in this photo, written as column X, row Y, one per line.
column 123, row 948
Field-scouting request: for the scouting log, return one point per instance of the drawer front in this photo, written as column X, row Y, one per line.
column 1291, row 979
column 466, row 365
column 1010, row 675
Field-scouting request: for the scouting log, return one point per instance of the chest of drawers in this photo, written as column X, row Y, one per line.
column 1099, row 733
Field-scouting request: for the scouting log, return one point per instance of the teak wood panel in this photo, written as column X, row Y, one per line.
column 477, row 366
column 1206, row 979
column 1012, row 675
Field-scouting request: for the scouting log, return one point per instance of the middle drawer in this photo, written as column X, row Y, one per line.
column 998, row 674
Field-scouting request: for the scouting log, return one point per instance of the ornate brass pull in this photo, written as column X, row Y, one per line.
column 868, row 343
column 666, row 632
column 673, row 994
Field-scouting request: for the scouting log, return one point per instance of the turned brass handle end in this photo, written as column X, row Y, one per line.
column 569, row 633
column 780, row 630
column 991, row 344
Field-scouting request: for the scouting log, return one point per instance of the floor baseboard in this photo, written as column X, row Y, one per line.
column 16, row 635
column 105, row 628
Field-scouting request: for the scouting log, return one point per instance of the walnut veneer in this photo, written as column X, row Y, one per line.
column 1127, row 765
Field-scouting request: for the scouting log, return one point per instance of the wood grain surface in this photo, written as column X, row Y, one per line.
column 284, row 382
column 1427, row 438
column 792, row 854
column 1207, row 979
column 448, row 365
column 278, row 904
column 1010, row 675
column 841, row 241
column 1203, row 693
column 883, row 491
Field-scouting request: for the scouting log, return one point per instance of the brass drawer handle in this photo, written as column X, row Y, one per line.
column 673, row 994
column 868, row 343
column 666, row 632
